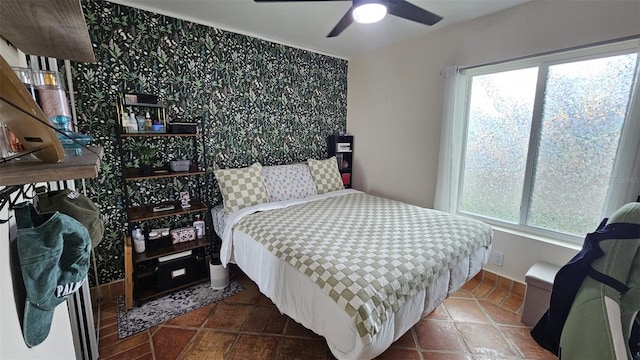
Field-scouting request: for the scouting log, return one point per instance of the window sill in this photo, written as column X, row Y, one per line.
column 529, row 235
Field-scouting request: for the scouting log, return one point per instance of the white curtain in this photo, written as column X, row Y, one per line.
column 452, row 139
column 624, row 186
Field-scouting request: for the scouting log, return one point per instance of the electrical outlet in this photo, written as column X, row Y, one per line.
column 497, row 258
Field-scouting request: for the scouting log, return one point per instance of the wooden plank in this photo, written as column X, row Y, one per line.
column 53, row 28
column 27, row 171
column 128, row 273
column 24, row 117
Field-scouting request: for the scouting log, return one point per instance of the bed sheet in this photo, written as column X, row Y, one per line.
column 300, row 298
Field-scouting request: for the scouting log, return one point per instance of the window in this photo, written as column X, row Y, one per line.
column 544, row 139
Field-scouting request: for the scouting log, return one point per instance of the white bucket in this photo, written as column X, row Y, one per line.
column 219, row 276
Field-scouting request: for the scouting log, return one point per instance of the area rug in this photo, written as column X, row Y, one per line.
column 165, row 308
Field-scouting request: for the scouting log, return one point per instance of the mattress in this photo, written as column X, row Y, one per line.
column 300, row 297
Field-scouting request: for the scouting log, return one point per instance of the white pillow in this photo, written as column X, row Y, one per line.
column 326, row 174
column 241, row 187
column 286, row 182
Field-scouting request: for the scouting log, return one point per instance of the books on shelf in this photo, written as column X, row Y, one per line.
column 343, row 161
column 343, row 147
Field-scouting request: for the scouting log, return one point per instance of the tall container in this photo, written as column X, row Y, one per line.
column 51, row 94
column 12, row 143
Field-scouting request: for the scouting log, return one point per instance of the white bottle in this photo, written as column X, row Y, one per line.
column 199, row 225
column 138, row 240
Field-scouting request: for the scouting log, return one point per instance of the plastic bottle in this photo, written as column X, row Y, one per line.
column 147, row 122
column 199, row 225
column 138, row 240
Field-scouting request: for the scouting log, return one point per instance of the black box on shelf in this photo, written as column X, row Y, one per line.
column 136, row 98
column 176, row 272
column 158, row 243
column 183, row 128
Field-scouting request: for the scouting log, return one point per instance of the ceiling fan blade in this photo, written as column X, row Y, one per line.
column 407, row 10
column 346, row 20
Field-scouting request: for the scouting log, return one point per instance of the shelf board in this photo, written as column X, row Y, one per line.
column 171, row 249
column 145, row 212
column 47, row 28
column 28, row 171
column 152, row 134
column 157, row 105
column 133, row 174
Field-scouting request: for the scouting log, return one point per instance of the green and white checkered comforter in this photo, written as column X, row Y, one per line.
column 369, row 254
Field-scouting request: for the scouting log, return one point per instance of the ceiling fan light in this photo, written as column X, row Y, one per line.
column 369, row 13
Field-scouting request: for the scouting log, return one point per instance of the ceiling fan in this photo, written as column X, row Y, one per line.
column 370, row 11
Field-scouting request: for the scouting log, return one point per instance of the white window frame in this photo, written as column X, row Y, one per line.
column 626, row 166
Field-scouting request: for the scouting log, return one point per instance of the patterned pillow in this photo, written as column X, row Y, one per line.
column 286, row 182
column 241, row 187
column 326, row 174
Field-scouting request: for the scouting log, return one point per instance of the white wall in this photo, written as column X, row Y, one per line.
column 395, row 98
column 59, row 343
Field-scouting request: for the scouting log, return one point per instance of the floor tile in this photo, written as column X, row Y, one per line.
column 209, row 345
column 513, row 303
column 406, row 341
column 466, row 310
column 122, row 345
column 500, row 315
column 228, row 316
column 524, row 343
column 254, row 347
column 471, row 284
column 483, row 289
column 438, row 314
column 432, row 355
column 438, row 335
column 193, row 318
column 308, row 349
column 133, row 353
column 168, row 342
column 397, row 353
column 497, row 295
column 249, row 295
column 484, row 339
column 296, row 329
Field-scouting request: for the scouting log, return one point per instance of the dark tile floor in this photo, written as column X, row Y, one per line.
column 480, row 321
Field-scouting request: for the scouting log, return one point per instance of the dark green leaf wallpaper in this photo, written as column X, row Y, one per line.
column 254, row 100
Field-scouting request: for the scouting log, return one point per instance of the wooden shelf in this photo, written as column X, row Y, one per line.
column 152, row 134
column 47, row 28
column 145, row 212
column 171, row 249
column 133, row 174
column 137, row 104
column 27, row 171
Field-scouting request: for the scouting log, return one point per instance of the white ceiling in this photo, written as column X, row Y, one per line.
column 305, row 24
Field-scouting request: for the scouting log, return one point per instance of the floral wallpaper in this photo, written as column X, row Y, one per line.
column 253, row 101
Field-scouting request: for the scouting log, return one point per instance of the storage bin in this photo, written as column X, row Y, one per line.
column 539, row 281
column 183, row 128
column 179, row 165
column 176, row 272
column 154, row 244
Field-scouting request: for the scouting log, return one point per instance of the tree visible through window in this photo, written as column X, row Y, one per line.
column 542, row 141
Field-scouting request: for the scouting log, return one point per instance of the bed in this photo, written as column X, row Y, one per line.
column 357, row 269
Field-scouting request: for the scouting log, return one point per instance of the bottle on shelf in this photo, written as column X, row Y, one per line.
column 199, row 225
column 138, row 240
column 148, row 122
column 50, row 89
